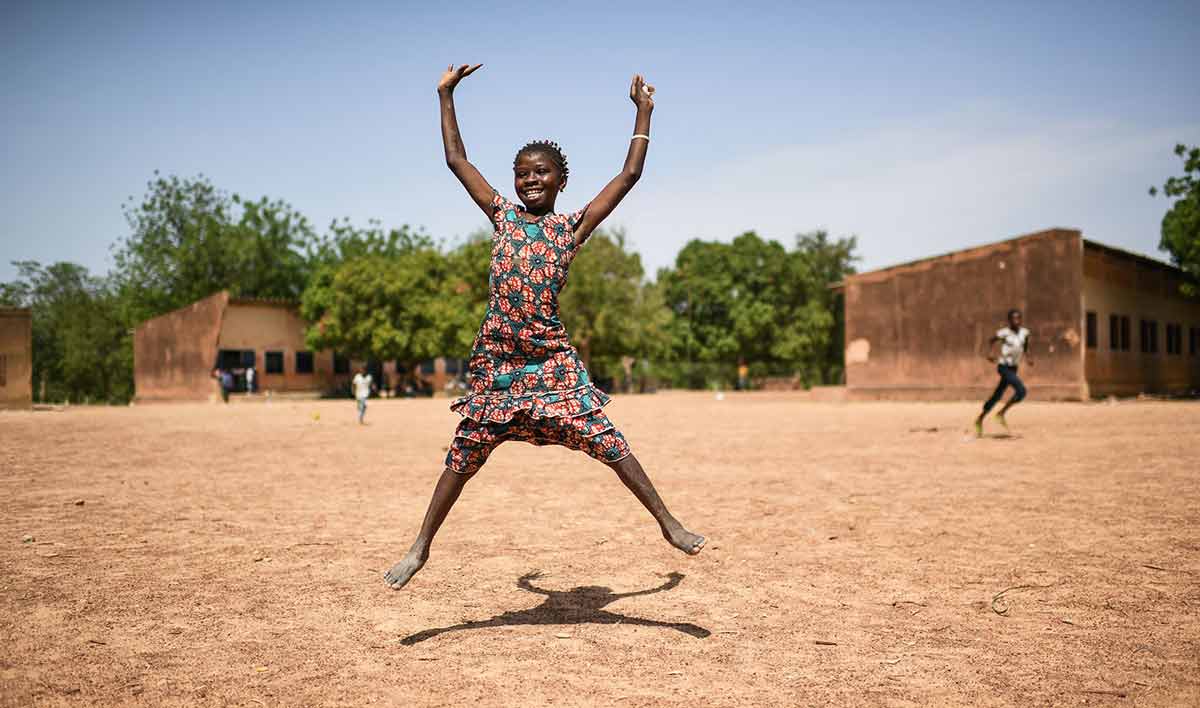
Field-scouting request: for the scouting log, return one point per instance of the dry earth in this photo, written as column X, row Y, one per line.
column 232, row 555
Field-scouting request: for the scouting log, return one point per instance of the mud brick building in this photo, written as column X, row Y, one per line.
column 1103, row 322
column 174, row 354
column 16, row 358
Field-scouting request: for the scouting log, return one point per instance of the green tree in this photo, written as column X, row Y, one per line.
column 1180, row 234
column 387, row 295
column 81, row 349
column 468, row 272
column 608, row 310
column 189, row 239
column 754, row 301
column 827, row 262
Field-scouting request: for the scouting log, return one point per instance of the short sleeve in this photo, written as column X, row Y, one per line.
column 500, row 208
column 1002, row 333
column 574, row 218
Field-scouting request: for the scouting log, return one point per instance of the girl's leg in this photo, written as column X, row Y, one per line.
column 630, row 472
column 449, row 486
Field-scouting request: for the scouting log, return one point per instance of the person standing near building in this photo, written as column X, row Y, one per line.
column 250, row 380
column 226, row 384
column 362, row 385
column 1014, row 345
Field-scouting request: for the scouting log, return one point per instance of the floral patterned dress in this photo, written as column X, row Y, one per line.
column 528, row 383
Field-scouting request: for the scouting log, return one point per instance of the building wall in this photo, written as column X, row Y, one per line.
column 269, row 327
column 1140, row 289
column 173, row 354
column 16, row 358
column 919, row 331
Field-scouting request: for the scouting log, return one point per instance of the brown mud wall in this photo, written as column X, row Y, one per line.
column 919, row 330
column 16, row 358
column 174, row 354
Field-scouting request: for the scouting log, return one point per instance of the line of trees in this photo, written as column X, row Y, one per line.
column 376, row 293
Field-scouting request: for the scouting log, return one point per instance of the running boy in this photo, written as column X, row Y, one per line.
column 1014, row 344
column 528, row 382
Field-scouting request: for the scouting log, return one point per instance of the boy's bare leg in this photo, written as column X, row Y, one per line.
column 630, row 472
column 449, row 486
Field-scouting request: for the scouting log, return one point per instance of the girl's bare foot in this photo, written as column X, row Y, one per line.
column 686, row 541
column 403, row 571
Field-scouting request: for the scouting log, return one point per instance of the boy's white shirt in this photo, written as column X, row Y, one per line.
column 1012, row 345
column 362, row 386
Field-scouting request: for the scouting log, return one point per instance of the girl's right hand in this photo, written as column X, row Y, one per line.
column 453, row 75
column 641, row 93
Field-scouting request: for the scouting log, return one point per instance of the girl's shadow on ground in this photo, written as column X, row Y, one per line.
column 581, row 605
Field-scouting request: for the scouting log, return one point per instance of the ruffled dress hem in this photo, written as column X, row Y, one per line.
column 502, row 407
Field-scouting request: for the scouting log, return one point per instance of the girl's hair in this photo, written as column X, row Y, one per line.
column 1012, row 312
column 546, row 147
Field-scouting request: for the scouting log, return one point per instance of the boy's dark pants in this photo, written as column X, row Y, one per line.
column 1008, row 377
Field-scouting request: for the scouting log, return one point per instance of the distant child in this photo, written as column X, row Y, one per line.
column 225, row 379
column 527, row 381
column 362, row 385
column 1014, row 344
column 250, row 380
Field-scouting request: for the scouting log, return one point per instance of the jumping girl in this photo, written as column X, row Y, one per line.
column 528, row 381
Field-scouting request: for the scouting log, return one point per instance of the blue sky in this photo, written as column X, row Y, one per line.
column 920, row 127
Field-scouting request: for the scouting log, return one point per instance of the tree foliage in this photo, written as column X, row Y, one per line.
column 608, row 309
column 81, row 348
column 1180, row 234
column 467, row 286
column 754, row 301
column 187, row 239
column 384, row 295
column 380, row 294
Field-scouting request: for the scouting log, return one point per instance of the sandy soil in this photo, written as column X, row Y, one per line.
column 212, row 555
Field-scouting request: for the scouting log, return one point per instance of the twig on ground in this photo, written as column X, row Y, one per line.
column 1119, row 694
column 1001, row 594
column 313, row 543
column 823, row 643
column 1165, row 570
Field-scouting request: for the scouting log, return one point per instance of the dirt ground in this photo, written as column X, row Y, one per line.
column 232, row 555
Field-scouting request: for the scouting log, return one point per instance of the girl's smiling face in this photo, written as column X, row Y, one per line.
column 537, row 180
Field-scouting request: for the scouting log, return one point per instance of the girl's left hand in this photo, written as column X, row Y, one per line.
column 641, row 93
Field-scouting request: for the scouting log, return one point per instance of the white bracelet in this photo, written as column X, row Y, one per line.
column 643, row 137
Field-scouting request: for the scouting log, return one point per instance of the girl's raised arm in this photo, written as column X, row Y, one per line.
column 456, row 154
column 642, row 95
